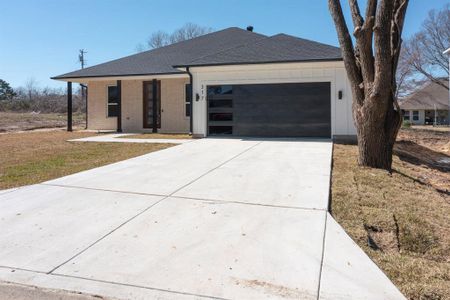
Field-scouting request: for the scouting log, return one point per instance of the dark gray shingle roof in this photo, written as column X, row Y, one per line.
column 228, row 46
column 277, row 48
column 162, row 60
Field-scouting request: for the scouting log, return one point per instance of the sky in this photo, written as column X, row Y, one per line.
column 41, row 38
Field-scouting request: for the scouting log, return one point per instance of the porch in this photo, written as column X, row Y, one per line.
column 145, row 104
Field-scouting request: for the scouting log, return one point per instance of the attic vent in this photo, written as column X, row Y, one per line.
column 250, row 28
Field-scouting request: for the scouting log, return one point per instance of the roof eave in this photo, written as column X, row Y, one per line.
column 166, row 74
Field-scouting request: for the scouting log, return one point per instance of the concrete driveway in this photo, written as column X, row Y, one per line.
column 213, row 218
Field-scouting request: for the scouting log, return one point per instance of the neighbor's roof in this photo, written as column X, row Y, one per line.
column 229, row 46
column 277, row 48
column 427, row 96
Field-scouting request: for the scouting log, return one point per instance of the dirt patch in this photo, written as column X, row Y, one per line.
column 11, row 121
column 12, row 291
column 401, row 220
column 426, row 153
column 274, row 289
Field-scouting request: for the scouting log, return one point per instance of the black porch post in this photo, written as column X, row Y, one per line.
column 69, row 106
column 155, row 104
column 119, row 105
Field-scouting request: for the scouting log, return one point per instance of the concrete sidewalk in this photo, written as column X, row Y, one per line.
column 214, row 218
column 122, row 138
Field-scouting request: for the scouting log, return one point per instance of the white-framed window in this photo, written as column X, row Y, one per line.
column 406, row 115
column 112, row 101
column 187, row 100
column 415, row 115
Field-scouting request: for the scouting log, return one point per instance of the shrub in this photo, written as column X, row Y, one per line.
column 406, row 124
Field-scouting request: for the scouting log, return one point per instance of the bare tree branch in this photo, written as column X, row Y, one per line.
column 346, row 43
column 424, row 51
column 371, row 68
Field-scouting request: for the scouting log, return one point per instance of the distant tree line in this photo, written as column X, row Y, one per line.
column 32, row 97
column 161, row 38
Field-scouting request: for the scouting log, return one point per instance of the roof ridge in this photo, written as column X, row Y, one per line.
column 303, row 39
column 231, row 48
column 199, row 37
column 163, row 47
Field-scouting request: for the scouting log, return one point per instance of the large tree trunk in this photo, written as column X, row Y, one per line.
column 376, row 130
column 371, row 66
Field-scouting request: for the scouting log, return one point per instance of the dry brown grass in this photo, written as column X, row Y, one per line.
column 158, row 136
column 401, row 220
column 33, row 157
column 14, row 121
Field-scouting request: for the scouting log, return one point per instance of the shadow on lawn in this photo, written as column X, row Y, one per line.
column 418, row 155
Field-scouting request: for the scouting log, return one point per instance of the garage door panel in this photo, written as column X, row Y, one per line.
column 288, row 130
column 287, row 109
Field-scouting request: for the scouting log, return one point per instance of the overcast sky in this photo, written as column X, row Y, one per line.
column 41, row 38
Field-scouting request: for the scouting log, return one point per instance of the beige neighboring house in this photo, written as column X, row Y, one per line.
column 232, row 82
column 428, row 105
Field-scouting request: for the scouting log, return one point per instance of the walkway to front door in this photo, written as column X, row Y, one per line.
column 213, row 218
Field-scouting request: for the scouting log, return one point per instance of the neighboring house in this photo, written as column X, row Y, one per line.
column 429, row 104
column 230, row 82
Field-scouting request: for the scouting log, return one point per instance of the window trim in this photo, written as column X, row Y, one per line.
column 415, row 115
column 107, row 101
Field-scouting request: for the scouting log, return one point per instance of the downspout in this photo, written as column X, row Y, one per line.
column 191, row 82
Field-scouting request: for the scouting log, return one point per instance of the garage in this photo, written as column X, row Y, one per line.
column 270, row 110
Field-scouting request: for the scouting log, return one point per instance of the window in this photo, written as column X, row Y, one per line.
column 415, row 115
column 188, row 100
column 224, row 103
column 218, row 130
column 113, row 102
column 221, row 116
column 220, row 109
column 214, row 90
column 406, row 115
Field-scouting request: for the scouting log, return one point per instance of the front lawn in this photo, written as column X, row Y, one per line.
column 401, row 220
column 33, row 157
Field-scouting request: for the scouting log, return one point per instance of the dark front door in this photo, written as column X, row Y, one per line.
column 272, row 110
column 152, row 105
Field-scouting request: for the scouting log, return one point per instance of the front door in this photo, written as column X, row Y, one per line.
column 150, row 103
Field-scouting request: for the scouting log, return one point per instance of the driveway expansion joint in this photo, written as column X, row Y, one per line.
column 147, row 208
column 105, row 235
column 322, row 256
column 267, row 248
column 141, row 287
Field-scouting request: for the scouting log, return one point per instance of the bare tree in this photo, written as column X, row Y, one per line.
column 158, row 39
column 371, row 68
column 406, row 81
column 187, row 32
column 31, row 88
column 161, row 38
column 423, row 53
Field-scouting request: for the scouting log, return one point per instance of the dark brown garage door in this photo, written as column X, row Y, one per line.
column 270, row 110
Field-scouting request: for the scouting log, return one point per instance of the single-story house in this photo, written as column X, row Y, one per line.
column 429, row 104
column 230, row 82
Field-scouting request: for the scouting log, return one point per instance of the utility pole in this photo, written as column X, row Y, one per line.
column 81, row 57
column 82, row 61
